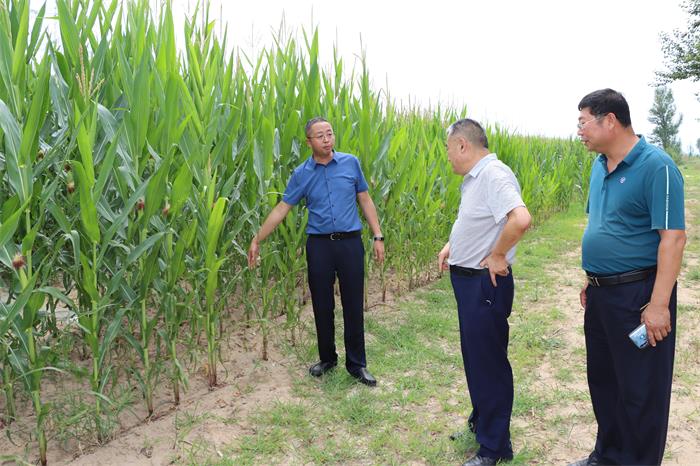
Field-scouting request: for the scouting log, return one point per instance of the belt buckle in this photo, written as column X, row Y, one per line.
column 595, row 281
column 334, row 236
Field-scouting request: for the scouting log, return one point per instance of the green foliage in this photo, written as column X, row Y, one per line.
column 663, row 116
column 681, row 48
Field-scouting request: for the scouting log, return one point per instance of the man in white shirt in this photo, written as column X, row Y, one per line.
column 492, row 218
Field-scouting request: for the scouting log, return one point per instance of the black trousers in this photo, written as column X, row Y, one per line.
column 630, row 388
column 483, row 329
column 343, row 258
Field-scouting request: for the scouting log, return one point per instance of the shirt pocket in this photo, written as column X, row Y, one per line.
column 343, row 186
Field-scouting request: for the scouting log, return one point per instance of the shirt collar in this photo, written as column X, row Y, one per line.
column 311, row 163
column 481, row 164
column 636, row 151
column 632, row 156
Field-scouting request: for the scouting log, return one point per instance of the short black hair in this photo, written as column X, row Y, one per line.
column 312, row 122
column 471, row 130
column 604, row 101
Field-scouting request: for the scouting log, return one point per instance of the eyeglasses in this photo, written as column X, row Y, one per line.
column 581, row 125
column 328, row 136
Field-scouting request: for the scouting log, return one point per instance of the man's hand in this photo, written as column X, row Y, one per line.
column 497, row 265
column 253, row 253
column 442, row 258
column 379, row 251
column 657, row 319
column 273, row 219
column 582, row 295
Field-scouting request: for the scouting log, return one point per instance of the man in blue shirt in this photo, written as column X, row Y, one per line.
column 631, row 251
column 332, row 183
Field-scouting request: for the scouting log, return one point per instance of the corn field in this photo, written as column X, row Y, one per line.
column 133, row 174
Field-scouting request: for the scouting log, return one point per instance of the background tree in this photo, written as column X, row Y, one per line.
column 682, row 48
column 663, row 116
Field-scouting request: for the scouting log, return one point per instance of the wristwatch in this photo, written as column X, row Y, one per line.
column 378, row 238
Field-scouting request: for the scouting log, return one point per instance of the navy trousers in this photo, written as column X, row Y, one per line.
column 343, row 258
column 630, row 388
column 483, row 327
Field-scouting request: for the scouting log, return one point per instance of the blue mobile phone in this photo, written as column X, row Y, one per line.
column 639, row 336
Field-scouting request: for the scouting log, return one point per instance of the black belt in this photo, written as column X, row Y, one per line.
column 627, row 277
column 467, row 272
column 338, row 235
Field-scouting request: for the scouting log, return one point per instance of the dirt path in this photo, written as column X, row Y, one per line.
column 575, row 428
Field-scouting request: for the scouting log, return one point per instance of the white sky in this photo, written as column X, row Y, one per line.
column 523, row 64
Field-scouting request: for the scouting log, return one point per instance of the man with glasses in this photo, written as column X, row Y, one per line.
column 332, row 184
column 631, row 252
column 492, row 218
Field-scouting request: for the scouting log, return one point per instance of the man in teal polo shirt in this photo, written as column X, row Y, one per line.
column 631, row 251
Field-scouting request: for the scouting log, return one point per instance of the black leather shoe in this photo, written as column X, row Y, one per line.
column 363, row 375
column 592, row 460
column 478, row 460
column 320, row 368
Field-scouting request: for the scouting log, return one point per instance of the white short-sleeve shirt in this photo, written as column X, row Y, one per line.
column 489, row 192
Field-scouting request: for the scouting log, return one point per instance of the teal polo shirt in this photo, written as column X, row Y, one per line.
column 627, row 207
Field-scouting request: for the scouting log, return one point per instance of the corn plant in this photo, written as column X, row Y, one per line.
column 213, row 263
column 176, row 302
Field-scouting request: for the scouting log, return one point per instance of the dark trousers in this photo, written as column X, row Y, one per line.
column 483, row 328
column 630, row 388
column 327, row 258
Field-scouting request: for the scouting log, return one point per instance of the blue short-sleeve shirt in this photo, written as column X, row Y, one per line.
column 627, row 207
column 330, row 192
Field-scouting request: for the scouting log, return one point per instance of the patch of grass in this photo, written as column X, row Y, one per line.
column 564, row 423
column 552, row 240
column 532, row 336
column 360, row 412
column 335, row 450
column 556, row 314
column 267, row 442
column 198, row 451
column 565, row 374
column 294, row 417
column 529, row 401
column 185, row 421
column 693, row 274
column 414, row 351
